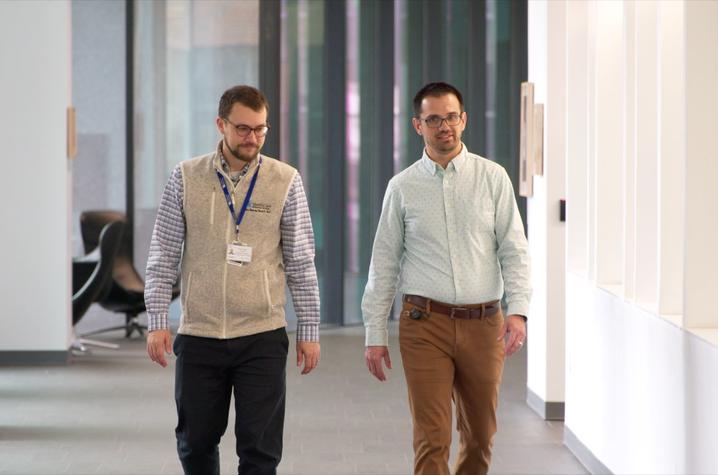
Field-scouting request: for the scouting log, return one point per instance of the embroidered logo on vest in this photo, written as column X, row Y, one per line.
column 259, row 207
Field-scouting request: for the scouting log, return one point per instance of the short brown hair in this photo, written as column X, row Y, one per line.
column 246, row 95
column 436, row 89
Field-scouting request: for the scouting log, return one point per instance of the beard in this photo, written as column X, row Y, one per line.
column 246, row 153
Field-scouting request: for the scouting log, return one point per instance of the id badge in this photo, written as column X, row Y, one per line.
column 239, row 254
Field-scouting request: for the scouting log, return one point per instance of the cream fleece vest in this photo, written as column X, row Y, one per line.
column 221, row 300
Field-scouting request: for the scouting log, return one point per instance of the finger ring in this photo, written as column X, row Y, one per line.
column 521, row 343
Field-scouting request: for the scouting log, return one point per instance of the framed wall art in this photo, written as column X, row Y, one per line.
column 537, row 148
column 526, row 157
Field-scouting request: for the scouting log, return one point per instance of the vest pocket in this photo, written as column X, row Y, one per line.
column 211, row 209
column 185, row 296
column 248, row 292
column 267, row 293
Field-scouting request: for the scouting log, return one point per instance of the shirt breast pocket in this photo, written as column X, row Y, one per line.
column 485, row 219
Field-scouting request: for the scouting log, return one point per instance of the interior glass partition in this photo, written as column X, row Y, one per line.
column 354, row 277
column 506, row 67
column 476, row 46
column 187, row 53
column 301, row 119
column 371, row 125
column 98, row 170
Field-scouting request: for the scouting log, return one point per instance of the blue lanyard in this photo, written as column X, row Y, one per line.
column 230, row 204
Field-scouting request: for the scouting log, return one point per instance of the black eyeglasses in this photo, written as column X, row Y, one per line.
column 245, row 130
column 434, row 121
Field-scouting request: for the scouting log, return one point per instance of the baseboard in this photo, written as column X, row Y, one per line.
column 549, row 411
column 583, row 454
column 22, row 358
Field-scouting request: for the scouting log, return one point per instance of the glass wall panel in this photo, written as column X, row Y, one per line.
column 506, row 67
column 302, row 78
column 499, row 37
column 472, row 45
column 187, row 53
column 371, row 129
column 98, row 76
column 354, row 275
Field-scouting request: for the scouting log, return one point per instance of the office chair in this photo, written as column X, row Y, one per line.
column 125, row 290
column 90, row 276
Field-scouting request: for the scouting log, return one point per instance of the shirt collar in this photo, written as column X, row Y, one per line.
column 457, row 162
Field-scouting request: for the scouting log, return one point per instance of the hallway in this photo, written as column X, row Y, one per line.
column 112, row 412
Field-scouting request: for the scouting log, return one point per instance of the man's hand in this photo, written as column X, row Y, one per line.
column 308, row 352
column 374, row 356
column 159, row 342
column 515, row 326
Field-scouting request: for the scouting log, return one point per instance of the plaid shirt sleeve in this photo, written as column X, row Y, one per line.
column 298, row 252
column 165, row 253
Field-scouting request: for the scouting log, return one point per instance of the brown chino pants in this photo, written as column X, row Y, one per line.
column 447, row 358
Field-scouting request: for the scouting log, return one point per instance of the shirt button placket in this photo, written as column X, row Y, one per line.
column 449, row 198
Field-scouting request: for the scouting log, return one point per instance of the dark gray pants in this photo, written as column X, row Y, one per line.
column 207, row 371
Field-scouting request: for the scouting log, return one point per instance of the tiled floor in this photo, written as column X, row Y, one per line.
column 112, row 412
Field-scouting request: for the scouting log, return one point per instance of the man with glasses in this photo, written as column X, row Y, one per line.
column 236, row 224
column 450, row 238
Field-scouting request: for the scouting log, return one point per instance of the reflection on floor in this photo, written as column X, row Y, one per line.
column 112, row 412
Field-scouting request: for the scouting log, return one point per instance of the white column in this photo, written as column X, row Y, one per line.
column 608, row 145
column 577, row 137
column 536, row 219
column 701, row 193
column 34, row 183
column 629, row 150
column 546, row 357
column 591, row 216
column 647, row 163
column 671, row 185
column 555, row 176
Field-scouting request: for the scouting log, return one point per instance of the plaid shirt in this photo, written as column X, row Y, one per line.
column 297, row 249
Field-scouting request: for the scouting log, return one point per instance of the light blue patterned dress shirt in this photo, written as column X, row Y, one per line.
column 452, row 235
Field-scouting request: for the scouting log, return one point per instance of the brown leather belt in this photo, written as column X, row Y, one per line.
column 482, row 310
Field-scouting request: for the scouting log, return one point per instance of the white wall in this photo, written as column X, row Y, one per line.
column 641, row 330
column 672, row 184
column 640, row 391
column 625, row 380
column 546, row 33
column 645, row 187
column 701, row 216
column 35, row 253
column 607, row 21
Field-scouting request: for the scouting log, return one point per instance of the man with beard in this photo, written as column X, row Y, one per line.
column 451, row 239
column 236, row 224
